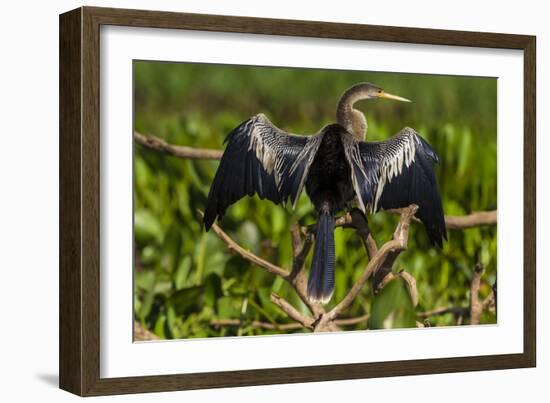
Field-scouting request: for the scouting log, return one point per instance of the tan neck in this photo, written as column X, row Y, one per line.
column 351, row 119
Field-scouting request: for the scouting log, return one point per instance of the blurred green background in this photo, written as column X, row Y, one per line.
column 184, row 277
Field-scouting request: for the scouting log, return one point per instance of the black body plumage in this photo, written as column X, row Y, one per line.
column 330, row 189
column 329, row 184
column 335, row 168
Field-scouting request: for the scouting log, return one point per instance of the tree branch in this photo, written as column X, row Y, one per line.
column 455, row 310
column 292, row 312
column 158, row 144
column 283, row 326
column 476, row 306
column 233, row 246
column 256, row 324
column 360, row 224
column 398, row 243
column 490, row 302
column 475, row 219
column 142, row 334
column 409, row 280
column 296, row 278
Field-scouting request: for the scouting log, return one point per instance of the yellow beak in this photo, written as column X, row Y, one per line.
column 391, row 96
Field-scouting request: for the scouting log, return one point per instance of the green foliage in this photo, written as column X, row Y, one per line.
column 184, row 277
column 393, row 307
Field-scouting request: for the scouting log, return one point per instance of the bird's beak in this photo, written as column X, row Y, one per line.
column 391, row 96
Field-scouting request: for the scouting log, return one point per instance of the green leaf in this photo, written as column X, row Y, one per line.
column 212, row 290
column 182, row 273
column 228, row 308
column 186, row 299
column 147, row 228
column 392, row 307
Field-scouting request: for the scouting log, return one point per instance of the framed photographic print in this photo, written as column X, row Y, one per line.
column 249, row 201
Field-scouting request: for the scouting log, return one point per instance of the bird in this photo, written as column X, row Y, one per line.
column 337, row 167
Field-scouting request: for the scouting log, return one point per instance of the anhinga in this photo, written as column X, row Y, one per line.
column 336, row 166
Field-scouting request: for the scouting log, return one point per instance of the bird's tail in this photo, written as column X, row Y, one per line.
column 321, row 276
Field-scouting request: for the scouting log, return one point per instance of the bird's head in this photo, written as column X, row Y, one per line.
column 371, row 91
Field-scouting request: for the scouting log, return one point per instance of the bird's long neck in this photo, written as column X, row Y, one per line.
column 353, row 120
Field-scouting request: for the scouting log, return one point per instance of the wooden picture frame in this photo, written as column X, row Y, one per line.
column 80, row 198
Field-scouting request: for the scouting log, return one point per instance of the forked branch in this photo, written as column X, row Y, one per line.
column 319, row 319
column 477, row 306
column 396, row 245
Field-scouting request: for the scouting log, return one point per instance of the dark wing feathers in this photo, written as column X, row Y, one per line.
column 399, row 172
column 259, row 158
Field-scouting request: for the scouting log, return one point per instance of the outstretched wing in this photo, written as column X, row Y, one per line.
column 396, row 173
column 260, row 158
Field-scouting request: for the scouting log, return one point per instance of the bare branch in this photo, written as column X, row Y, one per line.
column 142, row 334
column 476, row 306
column 384, row 271
column 296, row 277
column 475, row 219
column 371, row 246
column 408, row 278
column 292, row 312
column 352, row 321
column 158, row 144
column 257, row 324
column 300, row 249
column 457, row 311
column 233, row 246
column 283, row 326
column 384, row 282
column 398, row 243
column 296, row 239
column 411, row 286
column 361, row 226
column 490, row 302
column 495, row 299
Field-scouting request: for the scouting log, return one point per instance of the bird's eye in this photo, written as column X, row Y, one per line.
column 379, row 91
